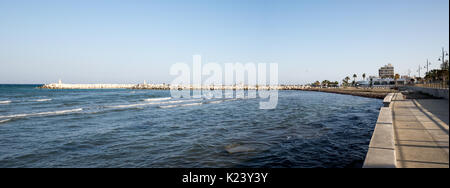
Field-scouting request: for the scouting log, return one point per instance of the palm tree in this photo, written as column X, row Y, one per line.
column 354, row 78
column 347, row 78
column 325, row 83
column 317, row 83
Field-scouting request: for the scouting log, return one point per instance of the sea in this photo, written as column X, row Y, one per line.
column 110, row 128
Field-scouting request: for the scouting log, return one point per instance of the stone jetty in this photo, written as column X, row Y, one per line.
column 363, row 92
column 88, row 86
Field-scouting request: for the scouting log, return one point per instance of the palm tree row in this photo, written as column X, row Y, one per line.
column 346, row 79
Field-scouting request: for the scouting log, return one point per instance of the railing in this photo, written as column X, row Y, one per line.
column 441, row 85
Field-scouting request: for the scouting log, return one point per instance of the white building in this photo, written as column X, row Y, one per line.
column 386, row 72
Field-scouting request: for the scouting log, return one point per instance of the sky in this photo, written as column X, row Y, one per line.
column 112, row 41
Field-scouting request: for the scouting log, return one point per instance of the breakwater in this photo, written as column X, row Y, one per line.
column 88, row 86
column 165, row 87
column 378, row 93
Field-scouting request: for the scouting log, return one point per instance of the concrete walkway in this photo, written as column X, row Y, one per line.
column 421, row 132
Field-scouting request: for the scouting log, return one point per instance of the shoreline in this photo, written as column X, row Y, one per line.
column 368, row 93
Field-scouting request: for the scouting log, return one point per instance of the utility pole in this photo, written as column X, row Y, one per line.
column 443, row 56
column 419, row 70
column 444, row 66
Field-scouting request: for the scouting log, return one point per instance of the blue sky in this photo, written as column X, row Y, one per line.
column 99, row 41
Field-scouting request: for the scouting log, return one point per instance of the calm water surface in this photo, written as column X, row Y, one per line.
column 144, row 128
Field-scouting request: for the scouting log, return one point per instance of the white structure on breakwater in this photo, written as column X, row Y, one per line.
column 60, row 85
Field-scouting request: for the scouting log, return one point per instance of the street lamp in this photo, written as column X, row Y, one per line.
column 442, row 58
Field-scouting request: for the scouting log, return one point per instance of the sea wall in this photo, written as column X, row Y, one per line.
column 377, row 93
column 435, row 92
column 381, row 153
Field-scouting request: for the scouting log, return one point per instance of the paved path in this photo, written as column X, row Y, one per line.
column 421, row 132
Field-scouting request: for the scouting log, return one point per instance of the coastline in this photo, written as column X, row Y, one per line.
column 378, row 93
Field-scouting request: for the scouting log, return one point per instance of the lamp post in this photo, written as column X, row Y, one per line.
column 428, row 63
column 442, row 58
column 418, row 70
column 444, row 65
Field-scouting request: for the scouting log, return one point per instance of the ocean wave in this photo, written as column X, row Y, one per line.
column 41, row 113
column 5, row 102
column 181, row 105
column 129, row 105
column 152, row 103
column 215, row 102
column 168, row 106
column 191, row 104
column 4, row 120
column 180, row 101
column 41, row 100
column 158, row 99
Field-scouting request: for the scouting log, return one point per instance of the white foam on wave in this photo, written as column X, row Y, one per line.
column 129, row 105
column 4, row 120
column 41, row 100
column 168, row 106
column 41, row 113
column 181, row 105
column 5, row 102
column 180, row 101
column 215, row 102
column 158, row 99
column 191, row 104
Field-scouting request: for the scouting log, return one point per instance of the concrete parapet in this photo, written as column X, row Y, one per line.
column 381, row 153
column 383, row 137
column 385, row 116
column 380, row 158
column 387, row 100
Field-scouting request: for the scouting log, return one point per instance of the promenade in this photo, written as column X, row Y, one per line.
column 421, row 132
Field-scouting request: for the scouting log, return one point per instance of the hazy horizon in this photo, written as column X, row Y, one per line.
column 132, row 41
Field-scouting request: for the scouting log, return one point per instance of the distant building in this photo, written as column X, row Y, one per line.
column 386, row 72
